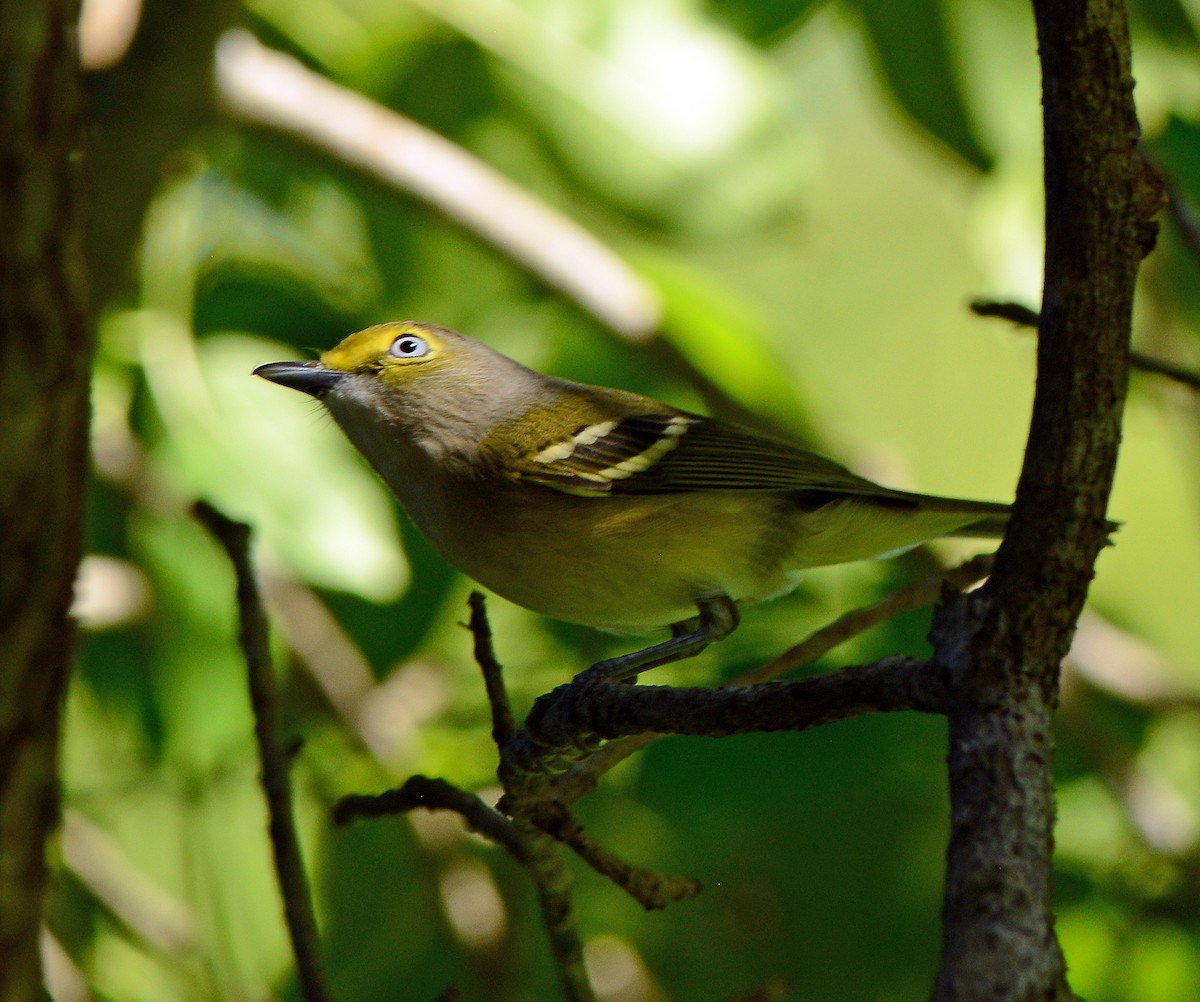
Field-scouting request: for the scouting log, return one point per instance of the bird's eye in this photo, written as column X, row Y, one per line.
column 409, row 346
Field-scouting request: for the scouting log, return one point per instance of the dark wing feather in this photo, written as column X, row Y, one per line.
column 713, row 455
column 599, row 455
column 672, row 451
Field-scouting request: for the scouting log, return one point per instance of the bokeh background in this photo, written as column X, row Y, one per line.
column 799, row 200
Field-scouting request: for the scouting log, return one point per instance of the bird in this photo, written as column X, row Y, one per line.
column 601, row 506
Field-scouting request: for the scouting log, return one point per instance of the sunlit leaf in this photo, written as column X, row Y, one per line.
column 723, row 335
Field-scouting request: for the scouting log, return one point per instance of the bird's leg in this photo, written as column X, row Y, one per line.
column 718, row 618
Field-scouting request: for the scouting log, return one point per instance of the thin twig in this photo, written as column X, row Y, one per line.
column 1183, row 215
column 555, row 887
column 433, row 795
column 1006, row 309
column 1023, row 316
column 1156, row 366
column 504, row 725
column 525, row 793
column 581, row 779
column 650, row 889
column 276, row 782
column 911, row 596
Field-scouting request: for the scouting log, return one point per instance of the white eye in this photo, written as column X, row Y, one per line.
column 409, row 346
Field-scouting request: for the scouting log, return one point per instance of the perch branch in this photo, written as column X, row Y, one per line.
column 581, row 778
column 594, row 706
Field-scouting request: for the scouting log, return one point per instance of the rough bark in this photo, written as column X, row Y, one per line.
column 45, row 355
column 1001, row 647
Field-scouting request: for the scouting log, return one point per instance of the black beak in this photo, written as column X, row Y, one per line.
column 307, row 377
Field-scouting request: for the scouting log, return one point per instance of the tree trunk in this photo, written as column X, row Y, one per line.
column 45, row 360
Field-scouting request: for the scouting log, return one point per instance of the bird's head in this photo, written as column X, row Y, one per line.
column 418, row 382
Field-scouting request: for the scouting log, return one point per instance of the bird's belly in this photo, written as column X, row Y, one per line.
column 628, row 563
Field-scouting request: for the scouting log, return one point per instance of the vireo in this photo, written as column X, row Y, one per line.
column 600, row 506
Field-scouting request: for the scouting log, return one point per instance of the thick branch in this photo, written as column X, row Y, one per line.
column 592, row 708
column 45, row 357
column 1001, row 646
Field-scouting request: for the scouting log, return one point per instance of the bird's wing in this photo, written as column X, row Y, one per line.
column 668, row 451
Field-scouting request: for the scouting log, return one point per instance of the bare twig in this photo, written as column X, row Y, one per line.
column 276, row 783
column 1158, row 367
column 433, row 795
column 904, row 599
column 1006, row 309
column 1184, row 216
column 555, row 886
column 1023, row 316
column 525, row 794
column 504, row 726
column 650, row 889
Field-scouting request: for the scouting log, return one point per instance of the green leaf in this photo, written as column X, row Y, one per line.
column 914, row 55
column 761, row 20
column 1167, row 19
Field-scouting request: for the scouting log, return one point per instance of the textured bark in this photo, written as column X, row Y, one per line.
column 45, row 355
column 1001, row 647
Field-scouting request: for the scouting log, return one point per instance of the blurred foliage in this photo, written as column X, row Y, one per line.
column 815, row 190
